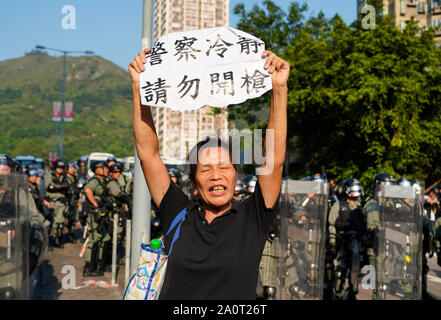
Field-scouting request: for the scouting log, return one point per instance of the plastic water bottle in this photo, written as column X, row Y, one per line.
column 156, row 244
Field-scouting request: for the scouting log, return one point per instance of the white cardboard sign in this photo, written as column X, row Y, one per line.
column 215, row 67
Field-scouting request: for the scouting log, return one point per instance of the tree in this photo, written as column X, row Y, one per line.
column 371, row 95
column 277, row 29
column 360, row 101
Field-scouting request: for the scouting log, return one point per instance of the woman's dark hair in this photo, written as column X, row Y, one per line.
column 208, row 142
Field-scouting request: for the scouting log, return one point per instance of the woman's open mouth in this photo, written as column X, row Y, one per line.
column 217, row 190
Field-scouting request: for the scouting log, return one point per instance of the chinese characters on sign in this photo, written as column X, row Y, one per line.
column 157, row 91
column 216, row 67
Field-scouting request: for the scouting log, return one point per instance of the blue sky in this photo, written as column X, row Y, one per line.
column 110, row 28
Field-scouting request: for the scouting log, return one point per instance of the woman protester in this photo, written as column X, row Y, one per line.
column 221, row 240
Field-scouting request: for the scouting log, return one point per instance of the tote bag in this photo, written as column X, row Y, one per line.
column 146, row 283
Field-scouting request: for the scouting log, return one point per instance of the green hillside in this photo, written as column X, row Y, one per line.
column 99, row 89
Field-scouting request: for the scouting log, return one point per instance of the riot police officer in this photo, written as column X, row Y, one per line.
column 175, row 176
column 120, row 201
column 96, row 196
column 14, row 230
column 346, row 231
column 41, row 220
column 399, row 248
column 82, row 169
column 41, row 203
column 125, row 183
column 56, row 189
column 302, row 237
column 372, row 218
column 73, row 194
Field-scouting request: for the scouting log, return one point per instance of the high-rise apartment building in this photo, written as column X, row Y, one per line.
column 426, row 12
column 177, row 131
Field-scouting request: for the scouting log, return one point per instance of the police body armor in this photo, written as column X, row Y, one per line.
column 14, row 237
column 58, row 192
column 101, row 215
column 350, row 229
column 399, row 255
column 303, row 215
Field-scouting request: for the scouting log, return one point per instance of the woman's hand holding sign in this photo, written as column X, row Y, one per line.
column 278, row 68
column 137, row 65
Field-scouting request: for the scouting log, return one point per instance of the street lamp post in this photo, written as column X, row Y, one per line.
column 65, row 52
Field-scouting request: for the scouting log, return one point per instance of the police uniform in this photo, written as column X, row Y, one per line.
column 14, row 246
column 98, row 230
column 298, row 258
column 346, row 227
column 56, row 190
column 73, row 195
column 371, row 213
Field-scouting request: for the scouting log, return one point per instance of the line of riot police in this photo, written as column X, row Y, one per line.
column 23, row 230
column 326, row 239
column 108, row 200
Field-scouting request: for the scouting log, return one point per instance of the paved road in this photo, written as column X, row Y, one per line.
column 434, row 279
column 53, row 279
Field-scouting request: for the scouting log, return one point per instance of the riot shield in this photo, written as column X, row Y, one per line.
column 399, row 255
column 14, row 237
column 303, row 211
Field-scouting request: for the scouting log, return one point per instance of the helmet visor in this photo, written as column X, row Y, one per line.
column 354, row 191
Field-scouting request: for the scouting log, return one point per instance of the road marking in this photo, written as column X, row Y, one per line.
column 433, row 279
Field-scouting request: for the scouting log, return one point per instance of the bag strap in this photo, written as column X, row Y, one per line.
column 178, row 219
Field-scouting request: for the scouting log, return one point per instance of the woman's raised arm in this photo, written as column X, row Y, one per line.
column 146, row 140
column 271, row 179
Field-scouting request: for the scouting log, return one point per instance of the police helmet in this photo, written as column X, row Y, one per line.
column 317, row 178
column 115, row 167
column 111, row 159
column 382, row 178
column 59, row 163
column 239, row 186
column 98, row 164
column 172, row 172
column 404, row 182
column 250, row 183
column 30, row 167
column 70, row 164
column 417, row 186
column 435, row 190
column 6, row 160
column 352, row 188
column 32, row 172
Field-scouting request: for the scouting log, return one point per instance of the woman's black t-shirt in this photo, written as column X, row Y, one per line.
column 219, row 260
